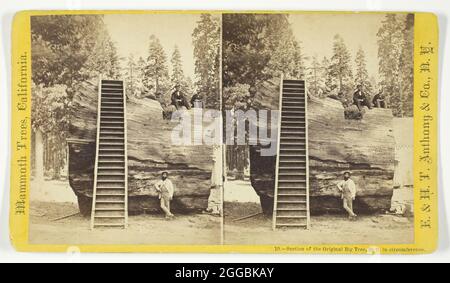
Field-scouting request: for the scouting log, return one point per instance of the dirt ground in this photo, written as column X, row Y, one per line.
column 328, row 229
column 194, row 229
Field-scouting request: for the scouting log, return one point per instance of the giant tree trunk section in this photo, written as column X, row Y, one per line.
column 364, row 147
column 150, row 151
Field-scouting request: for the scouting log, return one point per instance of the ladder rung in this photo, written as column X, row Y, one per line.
column 295, row 155
column 292, row 225
column 292, row 97
column 293, row 101
column 109, row 225
column 101, row 155
column 291, row 127
column 291, row 195
column 291, row 209
column 112, row 128
column 111, row 133
column 112, row 138
column 291, row 174
column 291, row 132
column 112, row 102
column 110, row 209
column 286, row 201
column 109, row 201
column 286, row 216
column 292, row 161
column 111, row 112
column 111, row 188
column 294, row 107
column 291, row 181
column 293, row 112
column 298, row 187
column 109, row 217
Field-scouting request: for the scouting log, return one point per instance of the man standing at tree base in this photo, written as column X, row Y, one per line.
column 165, row 191
column 347, row 188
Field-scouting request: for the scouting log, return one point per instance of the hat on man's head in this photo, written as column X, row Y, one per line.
column 347, row 172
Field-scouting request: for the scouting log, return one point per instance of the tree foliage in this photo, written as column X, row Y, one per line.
column 259, row 47
column 67, row 50
column 156, row 79
column 407, row 67
column 71, row 49
column 361, row 73
column 340, row 66
column 389, row 53
column 133, row 75
column 206, row 41
column 177, row 76
column 316, row 78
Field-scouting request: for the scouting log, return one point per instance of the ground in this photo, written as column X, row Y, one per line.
column 326, row 229
column 51, row 200
column 194, row 229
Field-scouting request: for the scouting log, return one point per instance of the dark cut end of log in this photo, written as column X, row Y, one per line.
column 365, row 147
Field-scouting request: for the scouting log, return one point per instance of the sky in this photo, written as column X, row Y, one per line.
column 316, row 33
column 131, row 34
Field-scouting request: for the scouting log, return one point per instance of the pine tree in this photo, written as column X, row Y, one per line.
column 206, row 41
column 341, row 67
column 329, row 84
column 407, row 67
column 156, row 71
column 177, row 76
column 140, row 76
column 315, row 78
column 361, row 74
column 389, row 54
column 287, row 57
column 131, row 74
column 299, row 62
column 68, row 50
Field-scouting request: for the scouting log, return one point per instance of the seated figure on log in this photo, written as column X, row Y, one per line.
column 360, row 99
column 379, row 100
column 197, row 101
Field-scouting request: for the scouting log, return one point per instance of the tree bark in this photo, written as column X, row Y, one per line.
column 365, row 147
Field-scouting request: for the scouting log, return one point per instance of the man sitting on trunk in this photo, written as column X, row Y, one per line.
column 179, row 99
column 347, row 188
column 379, row 101
column 165, row 190
column 360, row 99
column 197, row 101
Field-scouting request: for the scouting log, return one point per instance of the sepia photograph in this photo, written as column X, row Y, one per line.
column 108, row 163
column 234, row 128
column 320, row 113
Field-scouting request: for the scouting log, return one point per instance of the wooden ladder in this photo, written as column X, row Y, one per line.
column 110, row 195
column 291, row 198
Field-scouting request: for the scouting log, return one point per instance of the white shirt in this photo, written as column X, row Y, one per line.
column 347, row 187
column 165, row 186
